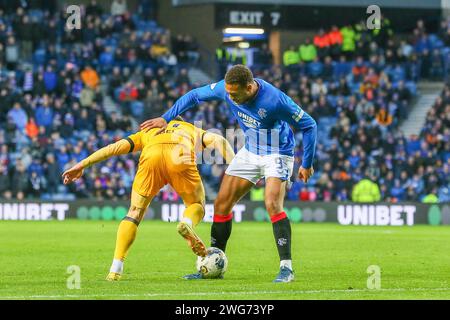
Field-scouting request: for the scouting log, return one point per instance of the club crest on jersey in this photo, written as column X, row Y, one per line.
column 262, row 113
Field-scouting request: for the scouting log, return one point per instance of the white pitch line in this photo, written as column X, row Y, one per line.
column 221, row 293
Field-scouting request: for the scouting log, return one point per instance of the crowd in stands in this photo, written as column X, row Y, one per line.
column 359, row 85
column 54, row 85
column 419, row 54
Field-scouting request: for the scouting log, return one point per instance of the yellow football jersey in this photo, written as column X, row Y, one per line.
column 168, row 157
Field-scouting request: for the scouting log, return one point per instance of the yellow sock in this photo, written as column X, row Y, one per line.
column 125, row 237
column 195, row 213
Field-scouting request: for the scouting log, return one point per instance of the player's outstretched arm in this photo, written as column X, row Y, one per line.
column 123, row 146
column 214, row 91
column 215, row 141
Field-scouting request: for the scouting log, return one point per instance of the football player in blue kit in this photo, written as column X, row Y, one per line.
column 265, row 114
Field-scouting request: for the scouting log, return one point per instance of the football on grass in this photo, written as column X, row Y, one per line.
column 213, row 265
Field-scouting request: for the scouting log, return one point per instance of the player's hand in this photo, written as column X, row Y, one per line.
column 73, row 174
column 154, row 123
column 305, row 174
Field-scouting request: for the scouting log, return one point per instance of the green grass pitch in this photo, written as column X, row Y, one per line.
column 330, row 262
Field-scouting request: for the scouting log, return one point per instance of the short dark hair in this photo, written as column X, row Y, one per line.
column 240, row 75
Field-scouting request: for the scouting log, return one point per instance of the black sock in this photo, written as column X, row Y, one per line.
column 282, row 234
column 221, row 230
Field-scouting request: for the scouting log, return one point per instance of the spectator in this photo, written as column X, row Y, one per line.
column 322, row 43
column 50, row 79
column 119, row 7
column 32, row 129
column 397, row 191
column 90, row 77
column 431, row 198
column 20, row 178
column 44, row 115
column 52, row 173
column 35, row 185
column 307, row 51
column 436, row 65
column 304, row 195
column 384, row 119
column 11, row 53
column 335, row 41
column 359, row 70
column 5, row 183
column 348, row 40
column 93, row 9
column 18, row 117
column 290, row 57
column 264, row 56
column 366, row 191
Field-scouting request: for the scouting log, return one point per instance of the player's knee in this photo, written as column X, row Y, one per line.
column 198, row 207
column 222, row 207
column 273, row 206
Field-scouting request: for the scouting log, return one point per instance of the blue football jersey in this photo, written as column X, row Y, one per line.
column 265, row 120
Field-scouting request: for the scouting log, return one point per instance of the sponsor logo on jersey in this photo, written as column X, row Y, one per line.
column 249, row 121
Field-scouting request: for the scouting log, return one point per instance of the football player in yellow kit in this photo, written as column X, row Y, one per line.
column 167, row 157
